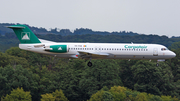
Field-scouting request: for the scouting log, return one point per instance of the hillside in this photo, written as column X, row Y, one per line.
column 63, row 32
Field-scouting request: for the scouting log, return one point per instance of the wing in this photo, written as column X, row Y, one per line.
column 92, row 55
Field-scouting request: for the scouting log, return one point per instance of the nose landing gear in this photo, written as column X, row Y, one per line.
column 159, row 60
column 157, row 64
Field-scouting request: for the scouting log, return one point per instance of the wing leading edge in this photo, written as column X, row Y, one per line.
column 92, row 55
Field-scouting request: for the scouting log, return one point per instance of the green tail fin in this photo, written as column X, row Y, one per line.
column 24, row 34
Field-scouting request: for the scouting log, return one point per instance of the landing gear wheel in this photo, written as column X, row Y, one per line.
column 157, row 64
column 89, row 64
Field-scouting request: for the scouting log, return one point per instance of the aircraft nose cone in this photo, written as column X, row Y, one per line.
column 173, row 54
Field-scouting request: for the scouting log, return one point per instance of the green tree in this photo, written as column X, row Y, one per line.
column 18, row 77
column 141, row 97
column 166, row 98
column 102, row 73
column 118, row 93
column 156, row 98
column 17, row 95
column 131, row 95
column 97, row 96
column 34, row 59
column 126, row 73
column 43, row 81
column 47, row 97
column 102, row 95
column 174, row 63
column 59, row 95
column 107, row 96
column 55, row 96
column 4, row 59
column 68, row 77
column 152, row 79
column 175, row 45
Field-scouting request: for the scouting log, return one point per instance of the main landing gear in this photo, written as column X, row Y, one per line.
column 89, row 63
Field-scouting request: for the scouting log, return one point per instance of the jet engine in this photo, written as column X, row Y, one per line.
column 57, row 48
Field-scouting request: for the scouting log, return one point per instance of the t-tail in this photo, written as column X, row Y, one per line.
column 24, row 34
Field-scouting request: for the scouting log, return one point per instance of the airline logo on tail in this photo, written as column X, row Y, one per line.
column 25, row 36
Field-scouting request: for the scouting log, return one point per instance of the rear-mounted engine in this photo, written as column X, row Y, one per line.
column 57, row 48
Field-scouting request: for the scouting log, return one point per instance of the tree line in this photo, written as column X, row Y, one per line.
column 64, row 32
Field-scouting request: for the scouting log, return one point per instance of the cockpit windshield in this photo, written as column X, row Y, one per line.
column 163, row 49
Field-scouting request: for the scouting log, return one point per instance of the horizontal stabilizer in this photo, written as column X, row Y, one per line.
column 18, row 27
column 46, row 41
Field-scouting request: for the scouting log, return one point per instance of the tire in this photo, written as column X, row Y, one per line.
column 89, row 64
column 157, row 64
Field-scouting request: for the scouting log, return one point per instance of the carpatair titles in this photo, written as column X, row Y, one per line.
column 134, row 47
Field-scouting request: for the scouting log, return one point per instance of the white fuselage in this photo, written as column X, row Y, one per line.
column 114, row 50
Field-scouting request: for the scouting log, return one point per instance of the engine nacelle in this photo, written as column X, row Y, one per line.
column 57, row 48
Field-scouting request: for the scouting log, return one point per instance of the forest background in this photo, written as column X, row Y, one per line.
column 42, row 75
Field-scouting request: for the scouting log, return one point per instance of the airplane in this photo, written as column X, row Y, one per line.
column 88, row 51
